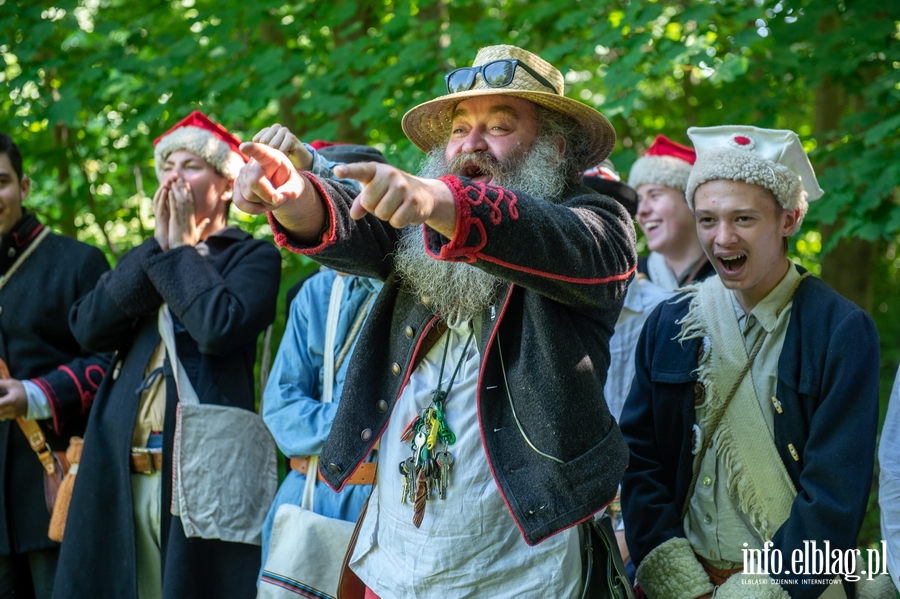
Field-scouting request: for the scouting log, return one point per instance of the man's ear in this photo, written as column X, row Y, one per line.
column 227, row 191
column 561, row 146
column 25, row 187
column 789, row 220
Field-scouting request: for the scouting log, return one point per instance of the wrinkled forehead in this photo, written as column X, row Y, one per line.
column 484, row 106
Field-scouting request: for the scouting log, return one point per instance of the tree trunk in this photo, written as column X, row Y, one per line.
column 848, row 267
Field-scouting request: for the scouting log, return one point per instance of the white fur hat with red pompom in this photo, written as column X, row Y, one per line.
column 664, row 163
column 198, row 134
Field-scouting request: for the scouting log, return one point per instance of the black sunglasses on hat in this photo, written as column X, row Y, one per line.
column 498, row 73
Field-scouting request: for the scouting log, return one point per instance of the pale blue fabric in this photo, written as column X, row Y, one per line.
column 322, row 167
column 292, row 409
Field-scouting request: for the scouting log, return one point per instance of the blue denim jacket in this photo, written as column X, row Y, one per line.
column 292, row 409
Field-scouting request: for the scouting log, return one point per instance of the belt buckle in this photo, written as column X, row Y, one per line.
column 146, row 452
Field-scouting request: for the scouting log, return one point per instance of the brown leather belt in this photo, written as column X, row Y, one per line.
column 717, row 576
column 364, row 475
column 145, row 461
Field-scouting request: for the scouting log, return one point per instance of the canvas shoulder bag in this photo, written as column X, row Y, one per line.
column 224, row 462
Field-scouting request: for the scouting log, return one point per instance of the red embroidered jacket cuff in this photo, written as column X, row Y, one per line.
column 70, row 389
column 328, row 236
column 476, row 203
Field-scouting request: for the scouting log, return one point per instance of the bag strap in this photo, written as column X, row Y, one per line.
column 265, row 364
column 331, row 322
column 183, row 386
column 30, row 428
column 719, row 415
column 4, row 279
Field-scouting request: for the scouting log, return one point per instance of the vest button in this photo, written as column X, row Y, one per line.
column 382, row 406
column 335, row 468
column 395, row 368
column 409, row 332
column 366, row 434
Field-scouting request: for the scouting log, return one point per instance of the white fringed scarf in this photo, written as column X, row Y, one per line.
column 755, row 475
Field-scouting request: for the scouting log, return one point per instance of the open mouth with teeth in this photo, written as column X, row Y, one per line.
column 652, row 224
column 732, row 264
column 476, row 173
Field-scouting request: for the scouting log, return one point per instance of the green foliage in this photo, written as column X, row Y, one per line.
column 92, row 82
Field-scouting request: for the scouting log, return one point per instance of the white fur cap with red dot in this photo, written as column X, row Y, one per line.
column 771, row 158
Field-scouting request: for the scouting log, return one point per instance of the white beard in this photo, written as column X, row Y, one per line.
column 456, row 290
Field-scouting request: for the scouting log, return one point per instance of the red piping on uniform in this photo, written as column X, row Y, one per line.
column 487, row 351
column 548, row 275
column 53, row 400
column 328, row 238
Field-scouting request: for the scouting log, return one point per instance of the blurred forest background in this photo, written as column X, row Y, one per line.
column 90, row 83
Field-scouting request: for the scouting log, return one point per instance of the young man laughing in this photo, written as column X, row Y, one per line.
column 751, row 422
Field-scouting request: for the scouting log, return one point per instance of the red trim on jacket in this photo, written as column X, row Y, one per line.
column 53, row 400
column 493, row 197
column 376, row 438
column 550, row 275
column 19, row 243
column 329, row 236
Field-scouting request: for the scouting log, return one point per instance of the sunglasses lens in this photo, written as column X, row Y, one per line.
column 460, row 80
column 499, row 74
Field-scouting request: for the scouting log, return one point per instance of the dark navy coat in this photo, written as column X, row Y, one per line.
column 828, row 388
column 221, row 302
column 36, row 344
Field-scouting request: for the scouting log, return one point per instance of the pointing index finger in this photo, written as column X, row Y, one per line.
column 363, row 172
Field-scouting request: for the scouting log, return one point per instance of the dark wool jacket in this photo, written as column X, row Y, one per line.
column 36, row 344
column 828, row 388
column 221, row 302
column 566, row 268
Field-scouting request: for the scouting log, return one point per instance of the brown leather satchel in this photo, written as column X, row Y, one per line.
column 54, row 463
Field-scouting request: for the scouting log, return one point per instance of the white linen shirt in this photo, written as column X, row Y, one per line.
column 468, row 544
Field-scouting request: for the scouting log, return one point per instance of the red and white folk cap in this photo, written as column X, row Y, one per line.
column 664, row 163
column 771, row 158
column 196, row 133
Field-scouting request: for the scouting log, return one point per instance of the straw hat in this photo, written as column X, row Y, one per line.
column 428, row 124
column 198, row 134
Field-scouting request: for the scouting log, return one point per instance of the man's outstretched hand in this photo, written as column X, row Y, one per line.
column 269, row 182
column 399, row 198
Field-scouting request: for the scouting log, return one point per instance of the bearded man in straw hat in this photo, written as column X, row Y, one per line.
column 751, row 420
column 481, row 366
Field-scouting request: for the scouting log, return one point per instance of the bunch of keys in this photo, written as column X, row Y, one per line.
column 427, row 471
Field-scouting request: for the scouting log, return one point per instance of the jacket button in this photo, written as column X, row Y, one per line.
column 335, row 468
column 426, row 300
column 409, row 332
column 699, row 393
column 382, row 406
column 366, row 434
column 793, row 451
column 395, row 368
